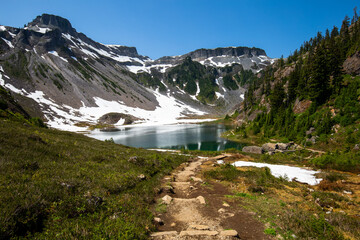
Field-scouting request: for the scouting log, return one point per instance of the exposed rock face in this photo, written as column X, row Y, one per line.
column 253, row 149
column 63, row 69
column 352, row 64
column 301, row 106
column 113, row 118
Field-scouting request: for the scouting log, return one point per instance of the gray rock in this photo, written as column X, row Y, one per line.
column 357, row 147
column 310, row 131
column 283, row 146
column 253, row 149
column 270, row 147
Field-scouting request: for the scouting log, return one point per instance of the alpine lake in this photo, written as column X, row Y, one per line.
column 204, row 137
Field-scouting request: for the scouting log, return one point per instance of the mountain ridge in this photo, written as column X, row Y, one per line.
column 68, row 74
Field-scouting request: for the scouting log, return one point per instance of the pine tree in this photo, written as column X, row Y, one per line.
column 319, row 78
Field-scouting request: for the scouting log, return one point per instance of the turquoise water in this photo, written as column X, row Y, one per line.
column 205, row 137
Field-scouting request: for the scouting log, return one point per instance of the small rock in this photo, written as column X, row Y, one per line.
column 142, row 177
column 357, row 147
column 270, row 153
column 310, row 131
column 198, row 233
column 167, row 189
column 132, row 159
column 167, row 199
column 159, row 221
column 201, row 199
column 221, row 210
column 283, row 146
column 172, row 224
column 196, row 179
column 226, row 204
column 159, row 234
column 348, row 192
column 229, row 233
column 200, row 227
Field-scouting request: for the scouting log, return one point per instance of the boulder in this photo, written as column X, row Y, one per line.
column 283, row 146
column 253, row 149
column 270, row 147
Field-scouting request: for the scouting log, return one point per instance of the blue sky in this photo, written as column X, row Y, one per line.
column 174, row 27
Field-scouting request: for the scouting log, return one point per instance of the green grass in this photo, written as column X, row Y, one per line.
column 61, row 185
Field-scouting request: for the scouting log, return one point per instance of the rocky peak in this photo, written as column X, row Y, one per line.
column 52, row 22
column 228, row 51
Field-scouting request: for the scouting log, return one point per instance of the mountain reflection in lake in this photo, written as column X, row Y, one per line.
column 205, row 137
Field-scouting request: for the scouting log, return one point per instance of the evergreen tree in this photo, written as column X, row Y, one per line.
column 319, row 78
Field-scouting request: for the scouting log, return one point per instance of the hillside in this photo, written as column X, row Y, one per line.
column 62, row 185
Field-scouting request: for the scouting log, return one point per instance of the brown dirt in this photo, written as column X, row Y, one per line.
column 187, row 214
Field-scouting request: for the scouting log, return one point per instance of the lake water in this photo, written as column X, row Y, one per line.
column 205, row 137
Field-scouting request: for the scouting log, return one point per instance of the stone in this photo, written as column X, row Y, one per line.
column 253, row 149
column 167, row 189
column 142, row 177
column 201, row 199
column 200, row 227
column 226, row 204
column 132, row 159
column 270, row 147
column 310, row 131
column 158, row 221
column 196, row 179
column 283, row 146
column 221, row 210
column 279, row 151
column 172, row 224
column 168, row 233
column 357, row 147
column 270, row 153
column 167, row 199
column 198, row 233
column 229, row 233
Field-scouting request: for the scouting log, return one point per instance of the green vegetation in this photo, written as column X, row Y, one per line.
column 188, row 74
column 308, row 98
column 150, row 81
column 229, row 83
column 62, row 185
column 289, row 209
column 17, row 66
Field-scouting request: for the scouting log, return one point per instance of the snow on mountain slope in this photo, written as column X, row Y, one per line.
column 75, row 79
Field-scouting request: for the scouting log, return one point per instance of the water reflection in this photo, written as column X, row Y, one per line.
column 205, row 137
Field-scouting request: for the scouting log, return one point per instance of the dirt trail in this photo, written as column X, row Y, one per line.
column 198, row 210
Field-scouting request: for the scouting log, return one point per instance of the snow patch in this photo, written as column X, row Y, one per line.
column 8, row 42
column 55, row 53
column 2, row 28
column 300, row 174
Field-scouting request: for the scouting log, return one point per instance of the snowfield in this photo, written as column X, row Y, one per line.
column 169, row 110
column 299, row 174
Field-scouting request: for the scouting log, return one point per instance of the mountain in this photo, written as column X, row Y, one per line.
column 68, row 79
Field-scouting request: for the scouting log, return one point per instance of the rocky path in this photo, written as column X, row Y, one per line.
column 198, row 210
